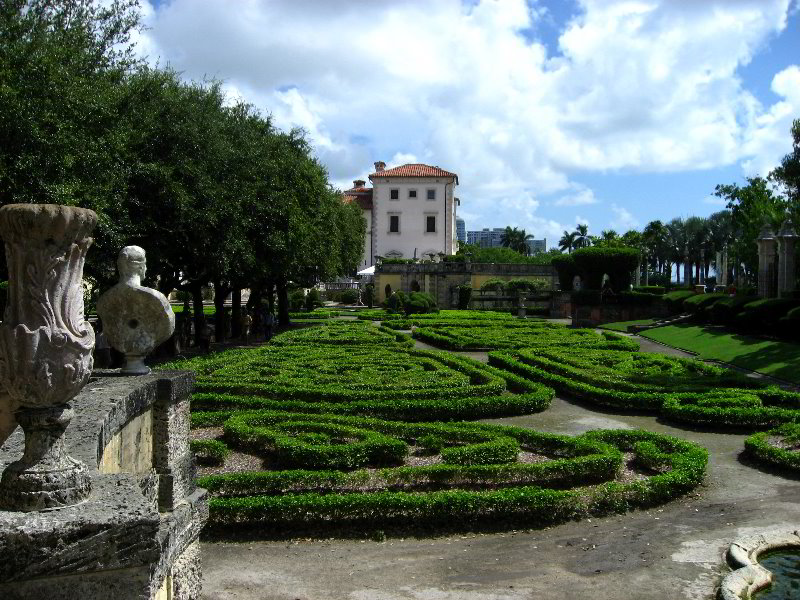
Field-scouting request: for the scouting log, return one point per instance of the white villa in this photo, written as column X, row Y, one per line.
column 410, row 211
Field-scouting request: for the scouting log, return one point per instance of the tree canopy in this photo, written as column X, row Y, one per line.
column 212, row 191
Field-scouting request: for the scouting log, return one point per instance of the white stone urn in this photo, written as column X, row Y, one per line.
column 135, row 318
column 45, row 349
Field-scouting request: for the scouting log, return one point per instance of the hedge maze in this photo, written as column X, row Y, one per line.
column 336, row 471
column 480, row 335
column 680, row 389
column 356, row 429
column 779, row 447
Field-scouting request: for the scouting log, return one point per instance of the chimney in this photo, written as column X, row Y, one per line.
column 380, row 166
column 359, row 183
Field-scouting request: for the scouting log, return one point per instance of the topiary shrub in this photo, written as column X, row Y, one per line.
column 296, row 300
column 419, row 303
column 493, row 285
column 369, row 295
column 349, row 296
column 565, row 265
column 464, row 296
column 699, row 302
column 525, row 285
column 312, row 300
column 618, row 263
column 724, row 311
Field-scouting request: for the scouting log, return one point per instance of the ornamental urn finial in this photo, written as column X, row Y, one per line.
column 45, row 349
column 135, row 318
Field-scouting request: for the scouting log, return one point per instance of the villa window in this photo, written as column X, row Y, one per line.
column 394, row 194
column 430, row 224
column 394, row 223
column 431, row 194
column 412, row 193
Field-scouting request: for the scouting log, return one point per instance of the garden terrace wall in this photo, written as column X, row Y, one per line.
column 591, row 315
column 441, row 280
column 137, row 535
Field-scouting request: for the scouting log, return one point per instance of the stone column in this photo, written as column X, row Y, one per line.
column 766, row 262
column 45, row 349
column 787, row 237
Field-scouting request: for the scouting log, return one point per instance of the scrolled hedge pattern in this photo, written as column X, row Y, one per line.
column 387, row 380
column 681, row 389
column 518, row 334
column 778, row 447
column 480, row 481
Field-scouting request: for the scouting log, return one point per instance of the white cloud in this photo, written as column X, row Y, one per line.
column 581, row 197
column 645, row 86
column 714, row 201
column 623, row 219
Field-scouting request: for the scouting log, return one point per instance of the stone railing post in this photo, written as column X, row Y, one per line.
column 787, row 237
column 45, row 349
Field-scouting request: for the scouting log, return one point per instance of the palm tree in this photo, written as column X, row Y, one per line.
column 676, row 243
column 516, row 239
column 567, row 241
column 582, row 238
column 654, row 238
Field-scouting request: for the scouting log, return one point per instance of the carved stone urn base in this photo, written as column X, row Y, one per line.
column 45, row 477
column 134, row 365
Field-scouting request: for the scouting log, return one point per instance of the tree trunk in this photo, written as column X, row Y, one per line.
column 199, row 318
column 236, row 312
column 270, row 292
column 283, row 303
column 221, row 292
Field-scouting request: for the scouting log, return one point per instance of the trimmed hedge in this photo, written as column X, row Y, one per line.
column 674, row 300
column 724, row 311
column 210, row 452
column 521, row 334
column 680, row 389
column 764, row 313
column 762, row 446
column 454, row 495
column 699, row 302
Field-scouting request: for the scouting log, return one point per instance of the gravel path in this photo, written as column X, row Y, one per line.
column 674, row 551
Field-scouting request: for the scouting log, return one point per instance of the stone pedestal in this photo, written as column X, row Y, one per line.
column 787, row 238
column 45, row 349
column 766, row 263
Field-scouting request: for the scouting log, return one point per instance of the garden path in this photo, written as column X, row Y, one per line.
column 671, row 552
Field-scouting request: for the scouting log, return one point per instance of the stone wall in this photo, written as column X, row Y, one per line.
column 441, row 279
column 136, row 536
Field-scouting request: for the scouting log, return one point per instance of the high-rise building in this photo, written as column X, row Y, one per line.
column 461, row 231
column 493, row 238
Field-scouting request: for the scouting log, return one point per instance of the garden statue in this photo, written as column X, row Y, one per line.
column 135, row 318
column 45, row 349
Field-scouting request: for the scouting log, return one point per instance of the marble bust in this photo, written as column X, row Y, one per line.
column 135, row 318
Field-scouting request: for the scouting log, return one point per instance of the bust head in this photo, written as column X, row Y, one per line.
column 131, row 264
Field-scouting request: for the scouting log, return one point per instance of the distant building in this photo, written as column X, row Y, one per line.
column 410, row 211
column 537, row 246
column 461, row 231
column 486, row 238
column 493, row 238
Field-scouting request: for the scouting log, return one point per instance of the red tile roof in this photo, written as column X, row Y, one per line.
column 359, row 190
column 414, row 170
column 363, row 200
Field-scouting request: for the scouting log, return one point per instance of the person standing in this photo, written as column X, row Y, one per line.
column 246, row 324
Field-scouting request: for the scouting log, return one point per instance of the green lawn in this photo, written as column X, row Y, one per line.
column 623, row 325
column 208, row 310
column 781, row 359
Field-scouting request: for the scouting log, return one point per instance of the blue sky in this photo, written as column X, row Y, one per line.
column 552, row 112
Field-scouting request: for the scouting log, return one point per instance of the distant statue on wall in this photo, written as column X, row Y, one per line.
column 135, row 318
column 576, row 283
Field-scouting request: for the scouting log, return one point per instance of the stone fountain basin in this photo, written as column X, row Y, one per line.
column 748, row 576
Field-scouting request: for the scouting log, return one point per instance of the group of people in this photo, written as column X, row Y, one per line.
column 257, row 321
